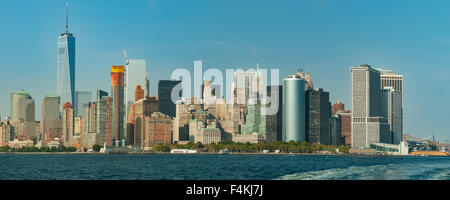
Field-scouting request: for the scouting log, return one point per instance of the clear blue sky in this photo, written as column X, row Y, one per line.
column 325, row 36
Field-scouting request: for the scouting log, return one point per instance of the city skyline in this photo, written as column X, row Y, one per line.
column 431, row 117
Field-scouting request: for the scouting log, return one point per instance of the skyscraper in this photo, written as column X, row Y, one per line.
column 273, row 92
column 368, row 125
column 66, row 65
column 135, row 75
column 50, row 115
column 67, row 124
column 103, row 115
column 81, row 97
column 166, row 105
column 392, row 110
column 294, row 109
column 247, row 85
column 318, row 116
column 22, row 107
column 118, row 110
column 392, row 86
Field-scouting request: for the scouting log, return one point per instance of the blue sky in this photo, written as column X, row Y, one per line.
column 327, row 37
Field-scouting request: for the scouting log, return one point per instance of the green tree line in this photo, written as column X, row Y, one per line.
column 284, row 147
column 36, row 149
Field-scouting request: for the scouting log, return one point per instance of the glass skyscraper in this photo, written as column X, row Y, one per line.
column 66, row 67
column 293, row 109
column 81, row 98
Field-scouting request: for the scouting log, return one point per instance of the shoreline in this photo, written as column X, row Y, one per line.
column 207, row 153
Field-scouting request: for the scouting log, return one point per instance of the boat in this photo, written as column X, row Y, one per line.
column 183, row 151
column 224, row 152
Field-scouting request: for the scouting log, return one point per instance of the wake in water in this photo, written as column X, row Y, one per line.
column 406, row 171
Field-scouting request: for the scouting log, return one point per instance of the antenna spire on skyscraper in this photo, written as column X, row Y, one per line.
column 67, row 17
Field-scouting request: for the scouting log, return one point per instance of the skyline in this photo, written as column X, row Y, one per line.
column 241, row 42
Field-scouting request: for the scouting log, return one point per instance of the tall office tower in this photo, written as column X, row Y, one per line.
column 309, row 83
column 181, row 122
column 207, row 93
column 368, row 125
column 135, row 75
column 392, row 110
column 276, row 92
column 139, row 93
column 66, row 65
column 67, row 124
column 390, row 80
column 23, row 114
column 100, row 115
column 147, row 88
column 118, row 110
column 86, row 122
column 166, row 104
column 335, row 131
column 258, row 122
column 50, row 115
column 81, row 97
column 104, row 119
column 89, row 117
column 338, row 106
column 22, row 107
column 318, row 113
column 143, row 108
column 294, row 109
column 247, row 85
column 92, row 117
column 130, row 125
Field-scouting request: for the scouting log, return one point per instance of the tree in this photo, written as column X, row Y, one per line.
column 96, row 148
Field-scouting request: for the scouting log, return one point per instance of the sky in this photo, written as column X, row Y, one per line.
column 326, row 37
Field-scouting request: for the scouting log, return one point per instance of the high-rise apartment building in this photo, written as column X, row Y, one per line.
column 293, row 109
column 66, row 66
column 118, row 110
column 103, row 115
column 368, row 124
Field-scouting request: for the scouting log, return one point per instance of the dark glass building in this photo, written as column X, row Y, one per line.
column 318, row 113
column 165, row 103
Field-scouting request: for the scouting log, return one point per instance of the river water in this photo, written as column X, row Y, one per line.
column 220, row 167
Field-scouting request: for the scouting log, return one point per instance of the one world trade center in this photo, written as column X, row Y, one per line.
column 66, row 65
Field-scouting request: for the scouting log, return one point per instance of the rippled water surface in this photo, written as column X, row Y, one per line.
column 220, row 167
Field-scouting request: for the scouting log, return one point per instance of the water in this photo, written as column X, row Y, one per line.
column 220, row 167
